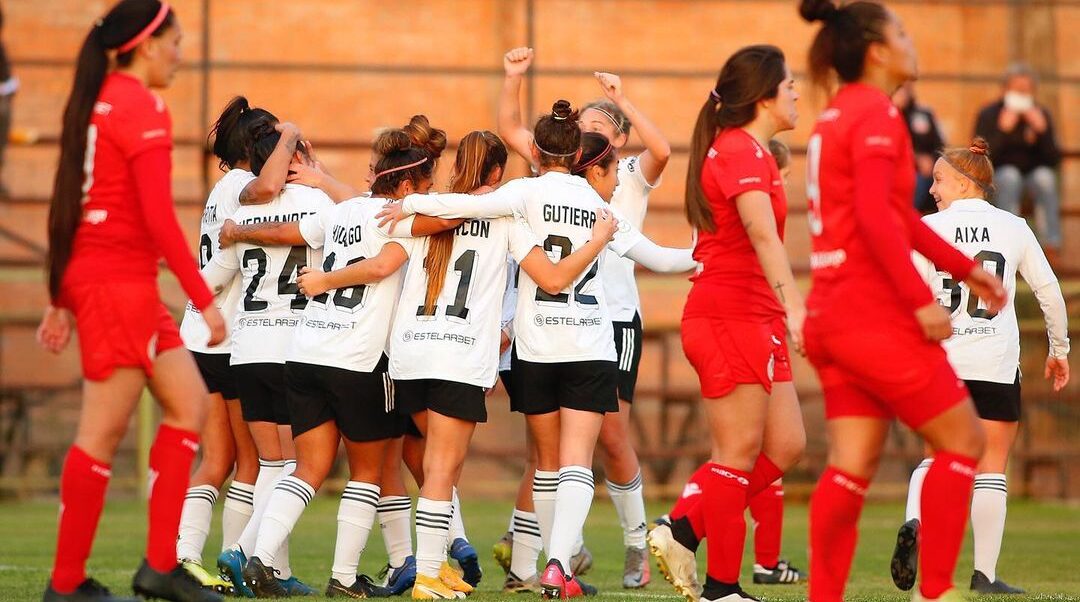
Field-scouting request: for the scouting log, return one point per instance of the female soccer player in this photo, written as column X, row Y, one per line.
column 985, row 346
column 226, row 441
column 565, row 347
column 636, row 177
column 874, row 326
column 110, row 220
column 739, row 312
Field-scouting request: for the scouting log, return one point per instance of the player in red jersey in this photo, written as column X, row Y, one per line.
column 112, row 188
column 742, row 307
column 873, row 325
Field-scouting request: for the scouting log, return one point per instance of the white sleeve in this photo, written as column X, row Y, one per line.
column 220, row 271
column 313, row 227
column 381, row 236
column 634, row 201
column 503, row 202
column 661, row 259
column 1056, row 317
column 923, row 267
column 1033, row 266
column 509, row 305
column 521, row 238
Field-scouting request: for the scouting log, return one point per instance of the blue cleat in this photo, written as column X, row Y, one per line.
column 465, row 555
column 296, row 588
column 231, row 568
column 400, row 579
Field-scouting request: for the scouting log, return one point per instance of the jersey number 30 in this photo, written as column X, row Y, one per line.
column 956, row 290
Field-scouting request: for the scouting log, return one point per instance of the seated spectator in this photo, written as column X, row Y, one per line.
column 927, row 140
column 1025, row 153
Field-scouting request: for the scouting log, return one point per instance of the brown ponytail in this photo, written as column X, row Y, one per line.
column 478, row 155
column 973, row 163
column 752, row 74
column 126, row 20
column 840, row 45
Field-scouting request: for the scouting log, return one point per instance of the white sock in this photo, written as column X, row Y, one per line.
column 432, row 533
column 630, row 506
column 579, row 543
column 457, row 525
column 195, row 522
column 355, row 518
column 282, row 567
column 510, row 527
column 988, row 521
column 544, row 489
column 573, row 499
column 914, row 492
column 395, row 516
column 239, row 505
column 287, row 502
column 269, row 473
column 527, row 544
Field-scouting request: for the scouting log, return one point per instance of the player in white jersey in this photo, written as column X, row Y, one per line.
column 268, row 310
column 985, row 346
column 226, row 439
column 636, row 177
column 565, row 368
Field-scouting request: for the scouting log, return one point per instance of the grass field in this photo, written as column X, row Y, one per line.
column 1042, row 548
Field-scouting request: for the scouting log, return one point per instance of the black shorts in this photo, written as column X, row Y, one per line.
column 262, row 392
column 543, row 388
column 361, row 404
column 628, row 351
column 996, row 401
column 508, row 381
column 217, row 373
column 449, row 398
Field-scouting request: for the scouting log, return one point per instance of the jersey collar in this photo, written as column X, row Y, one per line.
column 969, row 205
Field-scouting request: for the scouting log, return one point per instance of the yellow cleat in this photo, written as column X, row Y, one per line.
column 430, row 588
column 950, row 595
column 452, row 579
column 206, row 580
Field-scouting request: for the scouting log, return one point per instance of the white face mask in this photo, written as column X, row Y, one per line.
column 1018, row 101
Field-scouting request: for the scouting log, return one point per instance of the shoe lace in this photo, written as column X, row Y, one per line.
column 383, row 572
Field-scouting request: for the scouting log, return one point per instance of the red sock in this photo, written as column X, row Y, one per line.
column 946, row 501
column 764, row 474
column 171, row 457
column 687, row 505
column 834, row 517
column 723, row 504
column 82, row 496
column 767, row 510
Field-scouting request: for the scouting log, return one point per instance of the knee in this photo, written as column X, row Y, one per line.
column 862, row 464
column 311, row 474
column 188, row 416
column 789, row 452
column 738, row 450
column 1043, row 180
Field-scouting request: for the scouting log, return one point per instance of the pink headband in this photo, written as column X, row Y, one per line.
column 146, row 31
column 586, row 165
column 393, row 169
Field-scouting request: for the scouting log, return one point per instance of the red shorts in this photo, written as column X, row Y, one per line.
column 120, row 325
column 886, row 372
column 727, row 353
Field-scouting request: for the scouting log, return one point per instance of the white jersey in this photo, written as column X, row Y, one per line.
column 986, row 346
column 347, row 328
column 224, row 200
column 459, row 340
column 270, row 303
column 509, row 307
column 570, row 326
column 630, row 199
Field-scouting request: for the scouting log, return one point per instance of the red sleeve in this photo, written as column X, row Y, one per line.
column 876, row 149
column 152, row 170
column 737, row 171
column 146, row 125
column 936, row 249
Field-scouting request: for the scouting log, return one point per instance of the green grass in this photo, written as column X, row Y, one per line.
column 1040, row 552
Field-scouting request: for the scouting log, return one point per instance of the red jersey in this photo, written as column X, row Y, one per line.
column 731, row 283
column 860, row 180
column 128, row 217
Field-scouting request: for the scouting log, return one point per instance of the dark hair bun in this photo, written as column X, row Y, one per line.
column 562, row 111
column 432, row 140
column 391, row 141
column 817, row 10
column 979, row 146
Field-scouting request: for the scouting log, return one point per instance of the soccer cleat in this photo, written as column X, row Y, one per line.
column 950, row 595
column 503, row 550
column 262, row 580
column 555, row 584
column 88, row 591
column 469, row 561
column 736, row 596
column 398, row 580
column 364, row 587
column 635, row 568
column 780, row 574
column 905, row 559
column 677, row 563
column 177, row 584
column 452, row 579
column 517, row 585
column 230, row 566
column 205, row 579
column 981, row 584
column 581, row 562
column 295, row 588
column 430, row 588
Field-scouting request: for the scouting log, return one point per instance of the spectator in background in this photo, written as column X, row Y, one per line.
column 1025, row 153
column 926, row 140
column 8, row 84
